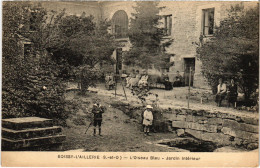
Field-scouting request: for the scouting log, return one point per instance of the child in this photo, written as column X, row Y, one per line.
column 148, row 119
column 97, row 110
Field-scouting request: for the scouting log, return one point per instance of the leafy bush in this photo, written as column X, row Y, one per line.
column 35, row 91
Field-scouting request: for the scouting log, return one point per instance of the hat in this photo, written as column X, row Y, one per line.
column 149, row 107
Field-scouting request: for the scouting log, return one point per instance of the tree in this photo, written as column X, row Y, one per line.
column 30, row 86
column 233, row 51
column 86, row 47
column 146, row 38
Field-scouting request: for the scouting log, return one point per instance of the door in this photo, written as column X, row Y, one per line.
column 189, row 65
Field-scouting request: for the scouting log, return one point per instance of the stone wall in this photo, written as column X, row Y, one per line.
column 186, row 29
column 221, row 128
column 225, row 129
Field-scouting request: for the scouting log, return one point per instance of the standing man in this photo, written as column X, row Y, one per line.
column 148, row 119
column 97, row 110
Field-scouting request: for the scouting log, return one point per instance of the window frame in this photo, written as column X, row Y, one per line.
column 167, row 26
column 203, row 21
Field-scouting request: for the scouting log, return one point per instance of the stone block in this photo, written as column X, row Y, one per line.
column 168, row 116
column 30, row 133
column 26, row 122
column 16, row 144
column 228, row 131
column 215, row 121
column 250, row 120
column 218, row 138
column 179, row 117
column 180, row 132
column 240, row 126
column 178, row 124
column 189, row 118
column 201, row 127
column 250, row 137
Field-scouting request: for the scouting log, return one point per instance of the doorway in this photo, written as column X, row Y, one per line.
column 189, row 65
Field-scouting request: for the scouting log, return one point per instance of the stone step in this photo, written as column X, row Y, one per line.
column 26, row 122
column 25, row 143
column 30, row 133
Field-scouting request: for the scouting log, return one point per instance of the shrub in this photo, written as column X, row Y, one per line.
column 233, row 52
column 33, row 90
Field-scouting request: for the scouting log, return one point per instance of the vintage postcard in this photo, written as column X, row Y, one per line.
column 130, row 84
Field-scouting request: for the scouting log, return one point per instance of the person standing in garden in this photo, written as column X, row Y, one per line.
column 147, row 119
column 97, row 110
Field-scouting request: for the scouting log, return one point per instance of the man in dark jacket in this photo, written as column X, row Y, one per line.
column 97, row 110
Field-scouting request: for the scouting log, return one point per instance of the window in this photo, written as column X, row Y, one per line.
column 208, row 21
column 120, row 24
column 167, row 25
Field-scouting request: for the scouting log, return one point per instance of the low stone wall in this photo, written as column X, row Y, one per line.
column 221, row 128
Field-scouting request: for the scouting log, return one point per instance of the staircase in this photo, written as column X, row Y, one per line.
column 30, row 133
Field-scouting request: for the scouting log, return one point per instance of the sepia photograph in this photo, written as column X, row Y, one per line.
column 130, row 76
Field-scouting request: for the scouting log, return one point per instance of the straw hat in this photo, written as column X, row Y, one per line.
column 149, row 107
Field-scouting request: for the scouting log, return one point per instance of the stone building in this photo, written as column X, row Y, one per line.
column 185, row 22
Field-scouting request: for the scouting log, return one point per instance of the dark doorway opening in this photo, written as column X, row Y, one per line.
column 189, row 66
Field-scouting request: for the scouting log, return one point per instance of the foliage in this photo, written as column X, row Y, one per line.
column 35, row 92
column 30, row 85
column 233, row 51
column 83, row 48
column 146, row 38
column 83, row 42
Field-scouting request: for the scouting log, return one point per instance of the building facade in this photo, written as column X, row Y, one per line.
column 187, row 23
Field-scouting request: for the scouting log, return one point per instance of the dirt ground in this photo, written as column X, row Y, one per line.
column 120, row 133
